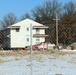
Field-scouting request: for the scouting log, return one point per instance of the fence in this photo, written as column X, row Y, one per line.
column 40, row 61
column 66, row 36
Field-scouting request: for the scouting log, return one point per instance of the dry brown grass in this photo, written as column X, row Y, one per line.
column 37, row 55
column 14, row 53
column 3, row 61
column 22, row 53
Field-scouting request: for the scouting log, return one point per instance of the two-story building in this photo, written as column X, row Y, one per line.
column 22, row 32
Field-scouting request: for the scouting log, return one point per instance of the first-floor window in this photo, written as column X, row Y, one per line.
column 37, row 39
column 37, row 42
column 27, row 39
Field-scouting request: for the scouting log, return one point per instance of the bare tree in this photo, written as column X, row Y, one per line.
column 68, row 20
column 8, row 19
column 45, row 14
column 69, row 13
column 26, row 15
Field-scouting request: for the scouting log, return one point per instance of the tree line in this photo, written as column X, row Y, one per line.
column 45, row 14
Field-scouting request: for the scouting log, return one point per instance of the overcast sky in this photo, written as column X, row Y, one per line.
column 19, row 7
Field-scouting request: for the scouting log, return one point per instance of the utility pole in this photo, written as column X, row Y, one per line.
column 57, row 44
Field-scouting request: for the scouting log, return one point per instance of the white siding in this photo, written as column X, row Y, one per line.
column 20, row 39
column 42, row 31
column 42, row 39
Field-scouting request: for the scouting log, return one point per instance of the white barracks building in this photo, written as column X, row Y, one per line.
column 20, row 33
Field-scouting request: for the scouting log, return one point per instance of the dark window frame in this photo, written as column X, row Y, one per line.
column 17, row 29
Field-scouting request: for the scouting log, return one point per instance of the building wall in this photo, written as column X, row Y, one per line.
column 41, row 39
column 18, row 38
column 21, row 38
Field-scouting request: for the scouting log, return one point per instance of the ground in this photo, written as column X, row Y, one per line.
column 48, row 62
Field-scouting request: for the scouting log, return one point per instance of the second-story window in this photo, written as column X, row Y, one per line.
column 37, row 31
column 27, row 29
column 17, row 29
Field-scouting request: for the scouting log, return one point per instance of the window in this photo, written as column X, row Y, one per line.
column 37, row 31
column 27, row 29
column 37, row 39
column 37, row 42
column 27, row 39
column 17, row 29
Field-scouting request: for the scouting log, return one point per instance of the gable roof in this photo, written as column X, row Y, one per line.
column 27, row 22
